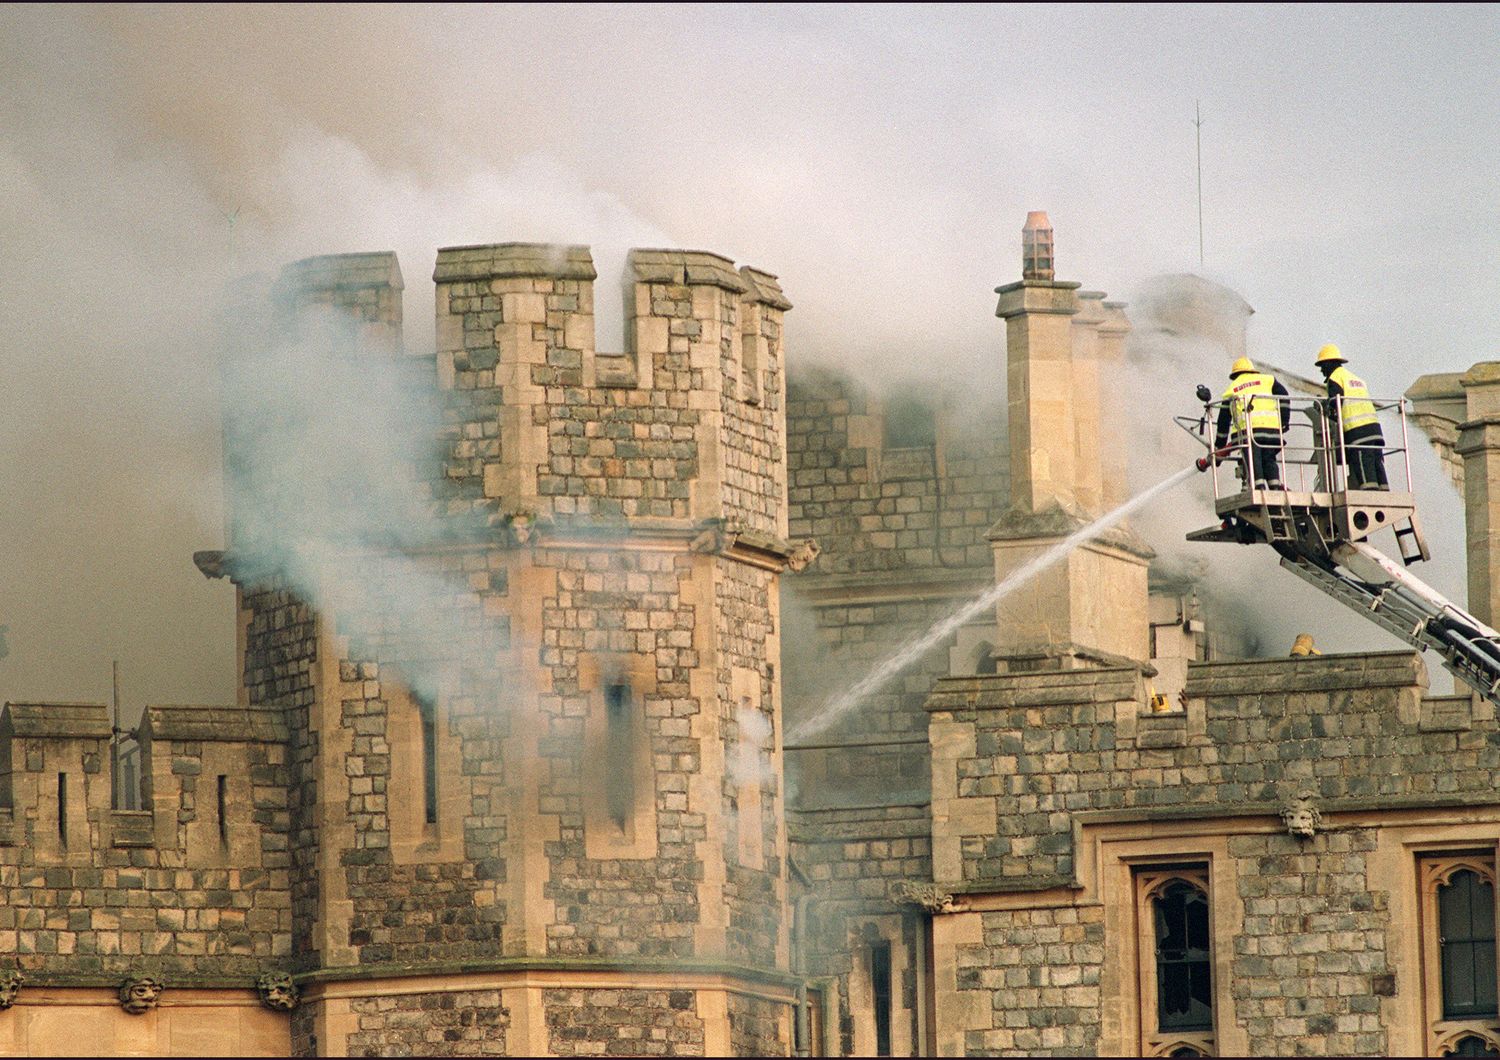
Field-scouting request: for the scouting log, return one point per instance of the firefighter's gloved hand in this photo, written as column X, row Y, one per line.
column 1202, row 463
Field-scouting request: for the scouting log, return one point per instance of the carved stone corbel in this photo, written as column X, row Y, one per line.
column 928, row 896
column 278, row 991
column 140, row 994
column 1301, row 816
column 520, row 527
column 10, row 986
column 801, row 557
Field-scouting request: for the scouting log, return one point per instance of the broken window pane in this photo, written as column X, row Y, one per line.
column 1184, row 987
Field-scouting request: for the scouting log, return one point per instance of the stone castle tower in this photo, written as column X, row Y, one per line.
column 586, row 797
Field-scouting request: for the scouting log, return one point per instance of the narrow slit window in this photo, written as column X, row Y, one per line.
column 62, row 808
column 1466, row 938
column 619, row 778
column 909, row 424
column 880, row 988
column 7, row 777
column 427, row 711
column 223, row 811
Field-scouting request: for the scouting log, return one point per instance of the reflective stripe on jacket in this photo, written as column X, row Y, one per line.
column 1356, row 409
column 1249, row 396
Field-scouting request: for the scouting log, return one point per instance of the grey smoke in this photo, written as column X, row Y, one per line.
column 885, row 177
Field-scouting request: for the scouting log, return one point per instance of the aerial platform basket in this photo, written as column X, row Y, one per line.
column 1318, row 502
column 1320, row 521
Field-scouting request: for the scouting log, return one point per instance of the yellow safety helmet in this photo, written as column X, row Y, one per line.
column 1330, row 355
column 1244, row 364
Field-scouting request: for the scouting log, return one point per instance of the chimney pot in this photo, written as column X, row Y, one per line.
column 1036, row 247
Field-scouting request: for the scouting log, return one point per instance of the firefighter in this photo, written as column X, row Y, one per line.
column 1255, row 405
column 1350, row 405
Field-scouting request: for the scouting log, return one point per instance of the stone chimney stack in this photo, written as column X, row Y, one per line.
column 1112, row 425
column 1037, row 312
column 1092, row 603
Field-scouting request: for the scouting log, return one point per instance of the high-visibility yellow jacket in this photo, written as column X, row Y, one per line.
column 1356, row 409
column 1251, row 401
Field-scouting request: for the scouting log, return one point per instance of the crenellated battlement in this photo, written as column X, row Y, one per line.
column 364, row 287
column 686, row 424
column 192, row 888
column 549, row 735
column 212, row 784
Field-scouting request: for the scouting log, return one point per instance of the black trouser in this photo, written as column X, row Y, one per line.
column 1265, row 449
column 1366, row 448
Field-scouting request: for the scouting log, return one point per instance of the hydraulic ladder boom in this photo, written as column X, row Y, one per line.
column 1360, row 577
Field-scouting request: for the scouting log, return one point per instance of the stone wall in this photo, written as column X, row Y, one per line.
column 1031, row 751
column 623, row 1023
column 441, row 1023
column 902, row 534
column 851, row 865
column 757, row 1027
column 1040, row 970
column 1312, row 947
column 876, row 510
column 279, row 657
column 615, row 520
column 1050, row 791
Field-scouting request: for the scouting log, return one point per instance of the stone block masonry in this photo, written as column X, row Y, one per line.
column 453, row 825
column 1053, row 792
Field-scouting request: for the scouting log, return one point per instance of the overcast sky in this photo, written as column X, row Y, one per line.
column 880, row 160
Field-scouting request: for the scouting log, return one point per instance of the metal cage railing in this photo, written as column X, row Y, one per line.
column 1312, row 455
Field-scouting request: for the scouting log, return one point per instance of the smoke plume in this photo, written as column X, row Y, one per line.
column 880, row 160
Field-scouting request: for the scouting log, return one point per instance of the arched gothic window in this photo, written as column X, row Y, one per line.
column 1461, row 995
column 1176, row 961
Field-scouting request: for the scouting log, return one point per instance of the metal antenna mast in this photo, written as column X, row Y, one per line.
column 114, row 736
column 1198, row 125
column 232, row 218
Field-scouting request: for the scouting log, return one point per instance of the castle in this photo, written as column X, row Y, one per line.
column 576, row 823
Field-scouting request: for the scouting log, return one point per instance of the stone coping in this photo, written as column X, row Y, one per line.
column 553, row 531
column 1011, row 885
column 213, row 724
column 378, row 268
column 765, row 288
column 499, row 965
column 1437, row 386
column 56, row 720
column 1312, row 673
column 1347, row 804
column 500, row 260
column 1057, row 523
column 505, row 965
column 950, row 581
column 43, row 978
column 1316, row 673
column 1039, row 688
column 856, row 743
column 1017, row 285
column 687, row 268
